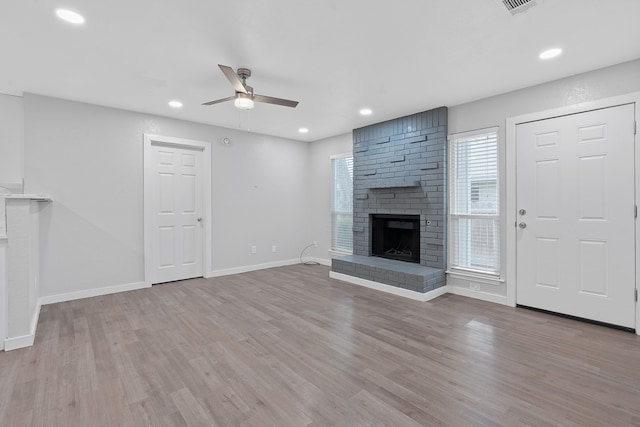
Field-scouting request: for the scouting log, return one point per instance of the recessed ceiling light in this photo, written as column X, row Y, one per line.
column 175, row 104
column 303, row 130
column 365, row 111
column 70, row 16
column 550, row 53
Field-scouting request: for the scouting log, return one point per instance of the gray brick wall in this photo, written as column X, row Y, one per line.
column 400, row 168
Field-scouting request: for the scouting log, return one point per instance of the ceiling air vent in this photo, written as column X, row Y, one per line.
column 517, row 6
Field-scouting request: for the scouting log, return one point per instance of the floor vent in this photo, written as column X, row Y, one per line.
column 517, row 6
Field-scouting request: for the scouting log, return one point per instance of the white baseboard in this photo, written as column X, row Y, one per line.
column 498, row 299
column 19, row 342
column 418, row 296
column 247, row 268
column 34, row 319
column 70, row 296
column 23, row 341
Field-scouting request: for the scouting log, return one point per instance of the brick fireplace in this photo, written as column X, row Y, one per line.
column 395, row 237
column 400, row 171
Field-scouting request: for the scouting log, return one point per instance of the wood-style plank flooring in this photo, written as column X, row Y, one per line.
column 290, row 347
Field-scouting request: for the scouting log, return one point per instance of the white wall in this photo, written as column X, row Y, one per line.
column 266, row 190
column 319, row 206
column 22, row 266
column 11, row 137
column 11, row 169
column 89, row 159
column 3, row 291
column 603, row 83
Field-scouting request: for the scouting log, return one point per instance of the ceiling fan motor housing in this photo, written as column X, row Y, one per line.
column 244, row 73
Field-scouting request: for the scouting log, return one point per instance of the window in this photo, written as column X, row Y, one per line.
column 474, row 205
column 342, row 203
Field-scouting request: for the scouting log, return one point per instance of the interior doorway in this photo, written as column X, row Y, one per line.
column 177, row 201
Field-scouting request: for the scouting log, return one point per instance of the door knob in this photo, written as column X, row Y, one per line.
column 522, row 225
column 199, row 220
column 522, row 212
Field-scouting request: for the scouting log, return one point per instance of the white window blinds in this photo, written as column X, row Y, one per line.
column 474, row 205
column 342, row 204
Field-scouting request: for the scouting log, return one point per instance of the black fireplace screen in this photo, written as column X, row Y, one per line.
column 396, row 237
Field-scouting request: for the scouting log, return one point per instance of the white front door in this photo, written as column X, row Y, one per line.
column 177, row 210
column 576, row 221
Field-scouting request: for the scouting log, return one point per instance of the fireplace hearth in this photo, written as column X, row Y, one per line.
column 396, row 237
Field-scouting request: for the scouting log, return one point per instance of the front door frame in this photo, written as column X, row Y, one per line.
column 205, row 147
column 511, row 176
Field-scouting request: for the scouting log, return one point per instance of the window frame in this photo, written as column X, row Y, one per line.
column 453, row 216
column 335, row 213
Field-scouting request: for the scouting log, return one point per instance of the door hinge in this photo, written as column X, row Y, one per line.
column 635, row 128
column 636, row 211
column 636, row 295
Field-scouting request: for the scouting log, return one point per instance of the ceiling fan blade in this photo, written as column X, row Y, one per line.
column 217, row 101
column 233, row 78
column 276, row 101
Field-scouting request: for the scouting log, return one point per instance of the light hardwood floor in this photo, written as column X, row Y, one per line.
column 290, row 347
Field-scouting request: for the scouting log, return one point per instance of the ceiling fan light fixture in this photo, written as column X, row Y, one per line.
column 243, row 101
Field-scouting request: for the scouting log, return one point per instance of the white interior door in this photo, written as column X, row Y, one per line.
column 575, row 200
column 176, row 204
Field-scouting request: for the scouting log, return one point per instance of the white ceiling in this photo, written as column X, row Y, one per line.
column 334, row 56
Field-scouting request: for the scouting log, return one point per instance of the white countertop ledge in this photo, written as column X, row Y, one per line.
column 36, row 197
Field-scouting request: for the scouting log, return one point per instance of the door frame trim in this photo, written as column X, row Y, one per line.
column 510, row 176
column 205, row 147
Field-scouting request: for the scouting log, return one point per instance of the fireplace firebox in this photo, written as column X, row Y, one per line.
column 396, row 237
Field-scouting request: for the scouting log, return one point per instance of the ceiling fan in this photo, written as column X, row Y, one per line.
column 244, row 97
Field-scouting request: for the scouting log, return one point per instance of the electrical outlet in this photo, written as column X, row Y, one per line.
column 254, row 249
column 273, row 248
column 315, row 243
